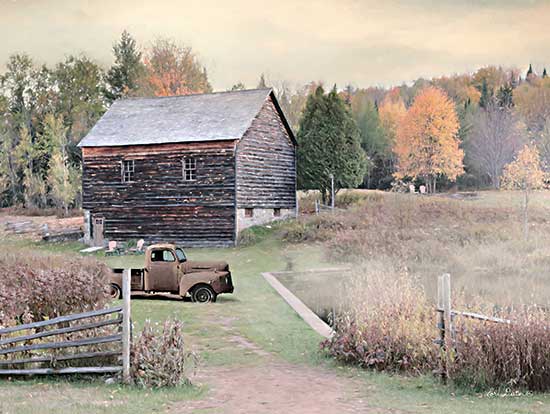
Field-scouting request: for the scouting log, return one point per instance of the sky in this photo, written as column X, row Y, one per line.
column 358, row 42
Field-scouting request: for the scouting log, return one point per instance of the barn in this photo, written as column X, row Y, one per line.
column 193, row 170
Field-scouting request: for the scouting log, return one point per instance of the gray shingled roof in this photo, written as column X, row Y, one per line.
column 206, row 117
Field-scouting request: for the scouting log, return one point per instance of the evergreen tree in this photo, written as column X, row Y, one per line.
column 262, row 83
column 530, row 74
column 486, row 95
column 376, row 145
column 505, row 96
column 238, row 87
column 63, row 178
column 329, row 144
column 123, row 76
column 544, row 74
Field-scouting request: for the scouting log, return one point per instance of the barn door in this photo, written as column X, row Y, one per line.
column 98, row 231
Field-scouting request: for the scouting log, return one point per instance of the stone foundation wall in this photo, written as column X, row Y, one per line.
column 261, row 216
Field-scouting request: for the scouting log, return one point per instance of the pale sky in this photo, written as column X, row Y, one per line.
column 362, row 42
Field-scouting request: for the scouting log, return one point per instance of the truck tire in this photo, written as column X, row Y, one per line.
column 115, row 292
column 203, row 294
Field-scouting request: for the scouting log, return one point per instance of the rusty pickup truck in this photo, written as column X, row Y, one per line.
column 167, row 270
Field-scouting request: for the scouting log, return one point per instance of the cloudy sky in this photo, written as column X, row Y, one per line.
column 361, row 42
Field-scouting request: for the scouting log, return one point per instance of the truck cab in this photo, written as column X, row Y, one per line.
column 167, row 270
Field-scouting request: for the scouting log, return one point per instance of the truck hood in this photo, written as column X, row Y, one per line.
column 200, row 266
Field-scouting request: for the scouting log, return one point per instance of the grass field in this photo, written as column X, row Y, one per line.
column 230, row 333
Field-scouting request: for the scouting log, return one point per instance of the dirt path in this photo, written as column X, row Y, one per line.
column 275, row 387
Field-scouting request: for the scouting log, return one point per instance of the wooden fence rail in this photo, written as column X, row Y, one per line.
column 59, row 327
column 445, row 317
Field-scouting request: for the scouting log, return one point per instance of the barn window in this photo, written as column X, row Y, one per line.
column 189, row 166
column 277, row 212
column 127, row 173
column 249, row 212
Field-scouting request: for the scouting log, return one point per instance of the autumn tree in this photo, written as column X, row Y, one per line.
column 173, row 69
column 34, row 187
column 426, row 143
column 328, row 144
column 392, row 112
column 122, row 78
column 63, row 178
column 494, row 140
column 9, row 180
column 524, row 174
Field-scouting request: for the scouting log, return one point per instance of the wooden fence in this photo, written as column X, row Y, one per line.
column 52, row 351
column 445, row 317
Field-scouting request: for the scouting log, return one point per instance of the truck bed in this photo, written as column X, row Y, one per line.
column 136, row 277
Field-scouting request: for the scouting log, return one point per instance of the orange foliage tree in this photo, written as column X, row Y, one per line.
column 426, row 144
column 171, row 69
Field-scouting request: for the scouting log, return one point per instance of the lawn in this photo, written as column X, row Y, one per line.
column 229, row 334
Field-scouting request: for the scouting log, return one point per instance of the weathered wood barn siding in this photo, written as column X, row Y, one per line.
column 159, row 205
column 266, row 163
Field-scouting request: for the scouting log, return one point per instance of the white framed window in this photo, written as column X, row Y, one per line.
column 127, row 168
column 189, row 169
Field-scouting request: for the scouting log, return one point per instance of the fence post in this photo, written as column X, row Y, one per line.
column 126, row 329
column 444, row 322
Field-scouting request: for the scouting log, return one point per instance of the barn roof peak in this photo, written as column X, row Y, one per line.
column 186, row 118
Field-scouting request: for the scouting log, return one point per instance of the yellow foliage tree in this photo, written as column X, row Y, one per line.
column 426, row 142
column 392, row 111
column 525, row 174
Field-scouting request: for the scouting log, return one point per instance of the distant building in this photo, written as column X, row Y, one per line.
column 194, row 170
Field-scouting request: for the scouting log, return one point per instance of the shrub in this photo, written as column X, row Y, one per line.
column 41, row 287
column 388, row 326
column 160, row 359
column 495, row 355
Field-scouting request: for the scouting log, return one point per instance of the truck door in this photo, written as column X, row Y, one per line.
column 163, row 271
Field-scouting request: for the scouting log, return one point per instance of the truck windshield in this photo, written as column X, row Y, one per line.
column 181, row 255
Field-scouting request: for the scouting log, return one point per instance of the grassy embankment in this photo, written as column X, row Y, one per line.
column 263, row 321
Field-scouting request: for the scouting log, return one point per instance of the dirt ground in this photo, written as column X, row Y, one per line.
column 275, row 387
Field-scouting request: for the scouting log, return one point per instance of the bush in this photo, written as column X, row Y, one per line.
column 42, row 287
column 495, row 355
column 388, row 326
column 161, row 359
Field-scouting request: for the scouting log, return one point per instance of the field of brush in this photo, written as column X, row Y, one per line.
column 476, row 237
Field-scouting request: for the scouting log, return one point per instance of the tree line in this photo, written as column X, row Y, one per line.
column 464, row 128
column 453, row 130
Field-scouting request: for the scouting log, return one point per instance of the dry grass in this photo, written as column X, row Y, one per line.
column 479, row 244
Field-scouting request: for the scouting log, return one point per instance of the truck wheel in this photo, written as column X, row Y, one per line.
column 203, row 294
column 115, row 292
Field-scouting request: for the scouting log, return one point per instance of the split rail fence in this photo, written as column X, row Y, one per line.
column 29, row 352
column 446, row 316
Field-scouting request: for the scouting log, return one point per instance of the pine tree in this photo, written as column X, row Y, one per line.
column 238, row 87
column 530, row 74
column 486, row 97
column 262, row 83
column 123, row 76
column 63, row 178
column 505, row 96
column 329, row 144
column 544, row 74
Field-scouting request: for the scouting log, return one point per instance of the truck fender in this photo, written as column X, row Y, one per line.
column 188, row 280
